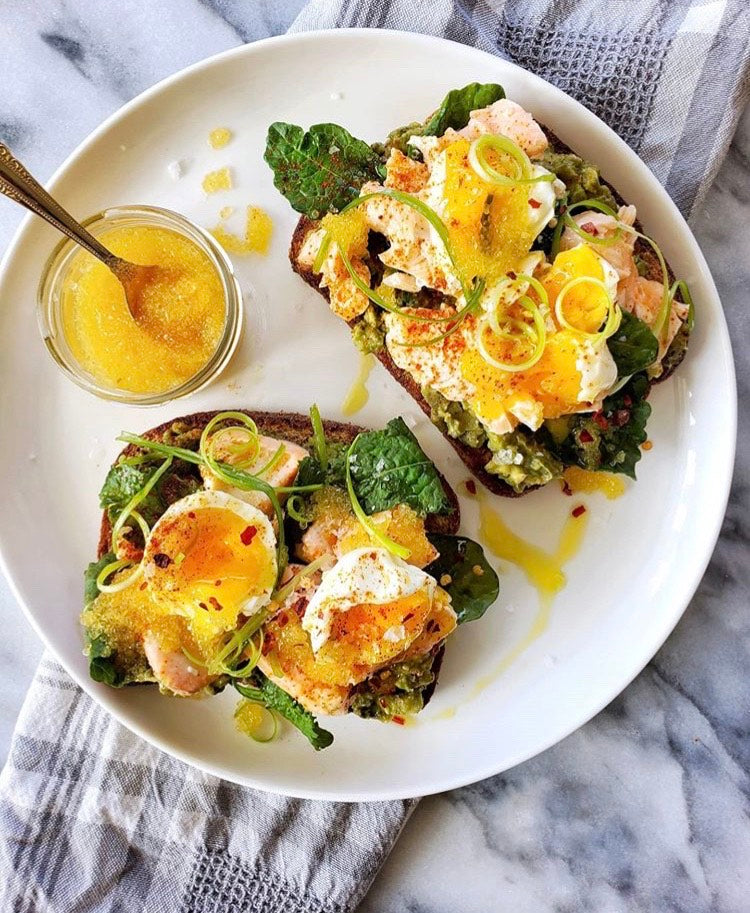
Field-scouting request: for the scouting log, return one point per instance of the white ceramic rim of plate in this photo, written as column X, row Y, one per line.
column 709, row 532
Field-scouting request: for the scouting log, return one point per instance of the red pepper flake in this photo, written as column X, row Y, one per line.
column 400, row 720
column 191, row 514
column 601, row 420
column 269, row 642
column 215, row 604
column 535, row 204
column 203, row 605
column 282, row 619
column 161, row 560
column 248, row 534
column 589, row 227
column 628, row 400
column 143, row 585
column 577, row 511
column 566, row 489
column 407, row 617
column 511, row 274
column 471, row 486
column 586, row 438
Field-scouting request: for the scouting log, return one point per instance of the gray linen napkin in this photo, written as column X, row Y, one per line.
column 91, row 818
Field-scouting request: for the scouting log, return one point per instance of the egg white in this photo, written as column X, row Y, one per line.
column 362, row 576
column 222, row 501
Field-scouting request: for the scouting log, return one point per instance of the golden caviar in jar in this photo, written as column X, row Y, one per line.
column 186, row 325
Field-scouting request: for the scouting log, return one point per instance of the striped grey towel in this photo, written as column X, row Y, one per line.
column 91, row 818
column 671, row 78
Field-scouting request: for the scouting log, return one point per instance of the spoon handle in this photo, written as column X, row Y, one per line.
column 17, row 184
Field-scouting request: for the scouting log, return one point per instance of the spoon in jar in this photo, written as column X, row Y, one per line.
column 17, row 184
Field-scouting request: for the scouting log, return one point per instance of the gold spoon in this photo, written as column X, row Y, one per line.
column 17, row 184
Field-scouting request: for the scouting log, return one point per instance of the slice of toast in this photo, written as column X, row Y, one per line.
column 289, row 426
column 475, row 458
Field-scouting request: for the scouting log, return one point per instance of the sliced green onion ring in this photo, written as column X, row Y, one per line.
column 681, row 286
column 124, row 582
column 293, row 506
column 614, row 314
column 567, row 219
column 505, row 146
column 322, row 253
column 137, row 498
column 400, row 550
column 319, row 437
column 538, row 334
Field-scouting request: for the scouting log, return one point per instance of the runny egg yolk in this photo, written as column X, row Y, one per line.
column 211, row 559
column 585, row 305
column 489, row 226
column 554, row 382
column 370, row 634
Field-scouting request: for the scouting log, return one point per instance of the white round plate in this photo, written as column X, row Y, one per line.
column 643, row 555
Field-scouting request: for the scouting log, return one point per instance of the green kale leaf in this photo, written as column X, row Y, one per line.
column 611, row 439
column 262, row 690
column 310, row 471
column 633, row 347
column 389, row 467
column 473, row 584
column 321, row 170
column 90, row 589
column 102, row 664
column 454, row 112
column 458, row 104
column 124, row 480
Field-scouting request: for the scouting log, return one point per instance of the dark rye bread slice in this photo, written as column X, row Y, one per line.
column 289, row 426
column 475, row 458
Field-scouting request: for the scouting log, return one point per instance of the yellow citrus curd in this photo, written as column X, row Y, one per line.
column 180, row 321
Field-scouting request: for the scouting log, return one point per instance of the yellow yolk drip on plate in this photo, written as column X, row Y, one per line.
column 211, row 560
column 358, row 394
column 582, row 480
column 489, row 225
column 543, row 569
column 180, row 321
column 258, row 232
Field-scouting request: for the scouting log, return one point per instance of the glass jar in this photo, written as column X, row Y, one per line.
column 57, row 273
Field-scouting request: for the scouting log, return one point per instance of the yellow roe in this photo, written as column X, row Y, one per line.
column 217, row 180
column 219, row 137
column 258, row 231
column 180, row 323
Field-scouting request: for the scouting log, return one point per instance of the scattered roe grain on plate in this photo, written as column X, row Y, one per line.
column 181, row 320
column 581, row 480
column 225, row 212
column 258, row 231
column 219, row 137
column 215, row 181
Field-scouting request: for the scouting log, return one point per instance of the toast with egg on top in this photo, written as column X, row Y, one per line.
column 613, row 321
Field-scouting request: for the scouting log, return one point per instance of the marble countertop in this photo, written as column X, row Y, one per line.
column 647, row 807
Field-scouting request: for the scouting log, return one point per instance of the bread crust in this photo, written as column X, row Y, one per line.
column 289, row 426
column 474, row 458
